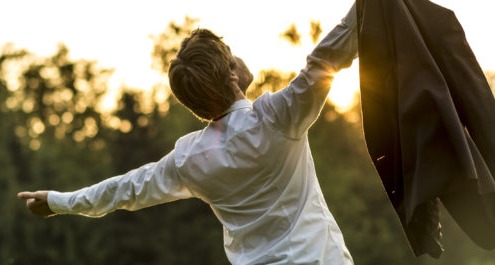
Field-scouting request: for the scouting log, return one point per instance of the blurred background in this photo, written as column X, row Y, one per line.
column 84, row 96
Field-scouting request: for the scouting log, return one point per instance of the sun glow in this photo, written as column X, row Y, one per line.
column 123, row 44
column 345, row 87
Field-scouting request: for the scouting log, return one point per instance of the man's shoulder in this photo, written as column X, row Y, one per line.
column 187, row 139
column 184, row 146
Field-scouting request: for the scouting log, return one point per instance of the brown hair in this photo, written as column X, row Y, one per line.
column 200, row 76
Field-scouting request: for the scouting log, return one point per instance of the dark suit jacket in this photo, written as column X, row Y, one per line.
column 429, row 119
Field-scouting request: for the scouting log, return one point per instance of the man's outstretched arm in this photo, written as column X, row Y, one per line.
column 293, row 109
column 148, row 185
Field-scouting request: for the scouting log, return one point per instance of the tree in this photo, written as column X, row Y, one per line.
column 52, row 139
column 9, row 154
column 54, row 135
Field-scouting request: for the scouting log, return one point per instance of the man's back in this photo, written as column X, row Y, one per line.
column 253, row 165
column 262, row 186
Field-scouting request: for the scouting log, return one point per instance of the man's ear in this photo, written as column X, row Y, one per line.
column 234, row 77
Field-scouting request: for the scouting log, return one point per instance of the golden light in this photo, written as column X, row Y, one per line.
column 344, row 88
column 255, row 40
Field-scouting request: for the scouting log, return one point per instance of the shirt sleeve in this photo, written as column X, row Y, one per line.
column 293, row 109
column 148, row 185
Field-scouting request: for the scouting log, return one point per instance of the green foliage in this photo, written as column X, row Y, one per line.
column 167, row 43
column 53, row 136
column 268, row 81
column 315, row 31
column 292, row 35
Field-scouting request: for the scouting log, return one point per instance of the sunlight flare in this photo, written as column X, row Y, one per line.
column 344, row 89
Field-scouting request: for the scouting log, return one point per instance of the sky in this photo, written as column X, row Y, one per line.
column 116, row 33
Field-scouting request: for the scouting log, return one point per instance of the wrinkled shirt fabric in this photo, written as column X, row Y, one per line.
column 253, row 167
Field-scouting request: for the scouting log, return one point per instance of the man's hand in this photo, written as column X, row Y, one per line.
column 36, row 202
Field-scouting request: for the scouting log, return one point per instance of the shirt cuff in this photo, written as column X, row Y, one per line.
column 59, row 202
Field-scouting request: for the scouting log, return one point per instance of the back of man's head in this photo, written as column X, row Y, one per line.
column 200, row 76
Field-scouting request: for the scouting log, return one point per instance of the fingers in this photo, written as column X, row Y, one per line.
column 36, row 202
column 24, row 195
column 38, row 195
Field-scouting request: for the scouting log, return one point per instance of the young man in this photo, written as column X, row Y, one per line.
column 251, row 163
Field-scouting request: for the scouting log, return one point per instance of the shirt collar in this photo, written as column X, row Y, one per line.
column 239, row 104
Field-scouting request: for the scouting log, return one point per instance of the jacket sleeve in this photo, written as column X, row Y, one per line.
column 293, row 109
column 148, row 185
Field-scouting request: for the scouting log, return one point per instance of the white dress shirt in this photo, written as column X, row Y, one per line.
column 253, row 167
